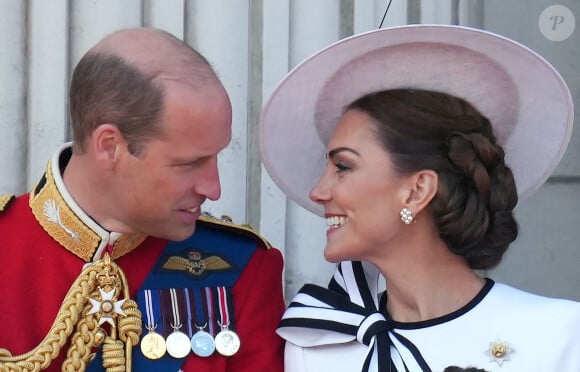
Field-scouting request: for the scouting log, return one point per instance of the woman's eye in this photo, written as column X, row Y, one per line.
column 341, row 167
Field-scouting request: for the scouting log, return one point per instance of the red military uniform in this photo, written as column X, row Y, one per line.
column 45, row 241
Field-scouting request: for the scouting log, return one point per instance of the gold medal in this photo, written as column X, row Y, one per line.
column 153, row 345
column 227, row 342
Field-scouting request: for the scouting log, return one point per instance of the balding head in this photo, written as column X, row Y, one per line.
column 121, row 80
column 157, row 53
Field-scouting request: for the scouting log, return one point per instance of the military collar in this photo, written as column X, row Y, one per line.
column 62, row 218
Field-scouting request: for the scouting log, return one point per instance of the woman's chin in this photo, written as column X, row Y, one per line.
column 334, row 256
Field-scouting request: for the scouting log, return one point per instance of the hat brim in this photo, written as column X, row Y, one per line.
column 523, row 96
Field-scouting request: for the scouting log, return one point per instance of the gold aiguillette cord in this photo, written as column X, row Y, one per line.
column 91, row 306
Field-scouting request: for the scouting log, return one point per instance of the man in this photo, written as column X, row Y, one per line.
column 100, row 258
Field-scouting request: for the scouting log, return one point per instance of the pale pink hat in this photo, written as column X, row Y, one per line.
column 524, row 97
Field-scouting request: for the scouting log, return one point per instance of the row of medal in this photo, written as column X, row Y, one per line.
column 177, row 343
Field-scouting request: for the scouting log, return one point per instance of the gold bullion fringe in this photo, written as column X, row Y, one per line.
column 87, row 334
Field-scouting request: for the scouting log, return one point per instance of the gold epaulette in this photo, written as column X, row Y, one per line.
column 5, row 201
column 226, row 223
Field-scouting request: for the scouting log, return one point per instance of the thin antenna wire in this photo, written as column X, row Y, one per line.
column 386, row 11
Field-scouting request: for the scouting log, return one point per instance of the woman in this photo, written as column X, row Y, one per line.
column 414, row 122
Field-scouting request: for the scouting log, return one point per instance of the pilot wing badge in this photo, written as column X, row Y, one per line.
column 195, row 264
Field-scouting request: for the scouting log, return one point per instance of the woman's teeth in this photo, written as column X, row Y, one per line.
column 336, row 221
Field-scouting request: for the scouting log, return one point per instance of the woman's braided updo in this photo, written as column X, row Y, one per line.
column 473, row 207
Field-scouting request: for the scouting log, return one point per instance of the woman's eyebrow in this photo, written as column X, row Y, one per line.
column 335, row 151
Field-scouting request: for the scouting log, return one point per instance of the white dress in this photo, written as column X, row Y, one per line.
column 526, row 333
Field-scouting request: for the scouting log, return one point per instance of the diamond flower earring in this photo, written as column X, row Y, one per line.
column 406, row 215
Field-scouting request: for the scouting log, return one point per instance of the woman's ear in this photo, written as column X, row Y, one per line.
column 423, row 188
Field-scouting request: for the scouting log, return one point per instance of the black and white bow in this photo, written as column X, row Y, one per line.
column 348, row 311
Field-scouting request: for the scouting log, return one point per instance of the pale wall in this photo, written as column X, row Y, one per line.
column 252, row 44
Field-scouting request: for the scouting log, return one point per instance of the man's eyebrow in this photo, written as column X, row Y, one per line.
column 181, row 161
column 335, row 151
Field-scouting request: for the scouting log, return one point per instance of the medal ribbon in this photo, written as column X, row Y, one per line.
column 223, row 307
column 202, row 342
column 152, row 308
column 210, row 310
column 347, row 311
column 199, row 313
column 176, row 309
column 188, row 308
column 226, row 307
column 108, row 249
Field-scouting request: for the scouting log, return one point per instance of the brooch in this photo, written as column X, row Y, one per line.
column 499, row 352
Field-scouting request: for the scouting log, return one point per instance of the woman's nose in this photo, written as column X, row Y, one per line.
column 320, row 193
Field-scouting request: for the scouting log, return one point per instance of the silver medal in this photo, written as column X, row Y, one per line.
column 178, row 344
column 202, row 343
column 227, row 342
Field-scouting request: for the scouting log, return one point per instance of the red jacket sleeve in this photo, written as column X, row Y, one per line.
column 259, row 305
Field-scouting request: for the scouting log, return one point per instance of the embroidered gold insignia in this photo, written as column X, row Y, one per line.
column 499, row 352
column 5, row 200
column 52, row 213
column 58, row 219
column 226, row 222
column 195, row 265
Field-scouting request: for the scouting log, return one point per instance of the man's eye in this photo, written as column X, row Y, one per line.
column 192, row 164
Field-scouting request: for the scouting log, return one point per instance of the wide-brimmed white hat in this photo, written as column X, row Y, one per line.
column 524, row 97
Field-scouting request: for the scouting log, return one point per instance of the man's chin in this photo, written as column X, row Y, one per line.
column 178, row 236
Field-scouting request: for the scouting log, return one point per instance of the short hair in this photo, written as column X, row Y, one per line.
column 473, row 207
column 105, row 89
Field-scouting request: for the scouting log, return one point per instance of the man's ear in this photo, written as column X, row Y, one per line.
column 422, row 189
column 106, row 142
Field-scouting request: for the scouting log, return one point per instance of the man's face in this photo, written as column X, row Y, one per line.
column 164, row 187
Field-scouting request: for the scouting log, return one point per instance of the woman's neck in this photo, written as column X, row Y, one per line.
column 431, row 298
column 428, row 283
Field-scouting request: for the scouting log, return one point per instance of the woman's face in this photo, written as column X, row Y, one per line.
column 361, row 193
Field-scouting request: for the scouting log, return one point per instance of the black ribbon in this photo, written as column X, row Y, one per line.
column 347, row 311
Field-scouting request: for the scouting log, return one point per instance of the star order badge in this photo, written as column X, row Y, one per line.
column 107, row 307
column 499, row 352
